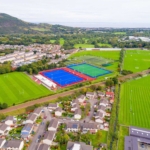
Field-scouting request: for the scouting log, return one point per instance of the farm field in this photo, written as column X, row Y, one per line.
column 137, row 60
column 135, row 102
column 18, row 87
column 61, row 41
column 114, row 55
column 104, row 45
column 52, row 41
column 84, row 45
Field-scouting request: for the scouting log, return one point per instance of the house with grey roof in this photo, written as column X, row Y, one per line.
column 91, row 127
column 13, row 145
column 104, row 102
column 102, row 109
column 52, row 106
column 77, row 114
column 37, row 111
column 31, row 119
column 49, row 137
column 4, row 129
column 58, row 112
column 90, row 95
column 100, row 94
column 43, row 147
column 81, row 98
column 78, row 146
column 72, row 127
column 26, row 131
column 9, row 120
column 2, row 142
column 53, row 125
column 99, row 117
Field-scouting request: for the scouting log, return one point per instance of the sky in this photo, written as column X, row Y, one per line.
column 83, row 13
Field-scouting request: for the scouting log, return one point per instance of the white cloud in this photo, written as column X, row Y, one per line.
column 91, row 11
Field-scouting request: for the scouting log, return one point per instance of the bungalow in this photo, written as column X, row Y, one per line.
column 58, row 112
column 52, row 106
column 81, row 99
column 2, row 142
column 100, row 94
column 72, row 127
column 43, row 147
column 9, row 121
column 91, row 127
column 31, row 119
column 53, row 125
column 78, row 146
column 26, row 131
column 90, row 95
column 110, row 94
column 102, row 109
column 14, row 145
column 103, row 102
column 38, row 111
column 4, row 129
column 77, row 114
column 49, row 137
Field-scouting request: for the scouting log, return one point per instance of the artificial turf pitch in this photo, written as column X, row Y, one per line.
column 17, row 88
column 135, row 103
column 89, row 70
column 62, row 77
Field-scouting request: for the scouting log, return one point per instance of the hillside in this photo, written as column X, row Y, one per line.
column 12, row 25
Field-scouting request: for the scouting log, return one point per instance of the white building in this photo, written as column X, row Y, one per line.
column 49, row 137
column 58, row 112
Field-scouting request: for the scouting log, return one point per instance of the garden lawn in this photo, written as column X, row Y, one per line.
column 84, row 46
column 106, row 54
column 18, row 87
column 136, row 60
column 134, row 103
column 96, row 142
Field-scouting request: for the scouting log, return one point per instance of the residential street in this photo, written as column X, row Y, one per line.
column 40, row 130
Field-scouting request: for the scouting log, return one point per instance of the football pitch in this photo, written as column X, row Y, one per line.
column 18, row 87
column 90, row 70
column 136, row 60
column 135, row 103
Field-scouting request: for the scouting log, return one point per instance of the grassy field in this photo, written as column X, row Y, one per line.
column 104, row 45
column 52, row 41
column 18, row 88
column 121, row 33
column 123, row 131
column 61, row 41
column 106, row 54
column 84, row 45
column 136, row 60
column 135, row 102
column 40, row 29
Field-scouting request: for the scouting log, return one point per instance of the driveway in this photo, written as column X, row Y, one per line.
column 40, row 131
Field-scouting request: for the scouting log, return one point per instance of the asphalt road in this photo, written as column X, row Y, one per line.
column 40, row 131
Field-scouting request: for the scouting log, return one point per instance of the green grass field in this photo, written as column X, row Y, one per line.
column 18, row 87
column 52, row 41
column 134, row 103
column 90, row 70
column 61, row 41
column 104, row 45
column 84, row 45
column 120, row 33
column 114, row 55
column 136, row 60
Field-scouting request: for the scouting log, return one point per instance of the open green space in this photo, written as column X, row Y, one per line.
column 40, row 29
column 136, row 60
column 89, row 70
column 61, row 41
column 123, row 131
column 114, row 55
column 104, row 45
column 135, row 102
column 52, row 41
column 83, row 46
column 18, row 87
column 121, row 33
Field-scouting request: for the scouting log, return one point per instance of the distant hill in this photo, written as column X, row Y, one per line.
column 12, row 25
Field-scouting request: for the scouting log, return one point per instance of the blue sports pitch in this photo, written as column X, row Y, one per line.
column 62, row 77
